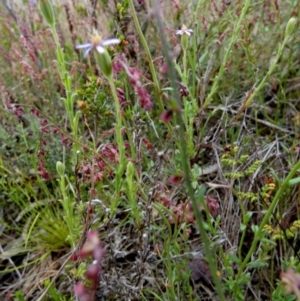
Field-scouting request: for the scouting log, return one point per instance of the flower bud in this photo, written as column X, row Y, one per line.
column 104, row 62
column 47, row 11
column 290, row 26
column 129, row 170
column 60, row 168
column 184, row 42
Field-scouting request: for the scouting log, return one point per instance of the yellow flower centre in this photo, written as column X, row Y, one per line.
column 183, row 28
column 96, row 40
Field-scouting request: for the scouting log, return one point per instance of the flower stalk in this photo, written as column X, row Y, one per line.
column 103, row 60
column 146, row 48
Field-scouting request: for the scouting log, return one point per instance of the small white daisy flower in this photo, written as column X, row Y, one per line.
column 97, row 43
column 184, row 30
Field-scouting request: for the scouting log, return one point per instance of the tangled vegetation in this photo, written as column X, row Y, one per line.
column 149, row 150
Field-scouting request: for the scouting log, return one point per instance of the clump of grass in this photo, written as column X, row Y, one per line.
column 175, row 141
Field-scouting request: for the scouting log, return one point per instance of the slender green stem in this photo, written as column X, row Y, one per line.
column 146, row 48
column 119, row 138
column 254, row 93
column 184, row 79
column 118, row 127
column 67, row 82
column 131, row 141
column 234, row 38
column 270, row 71
column 185, row 161
column 184, row 61
column 267, row 216
column 244, row 231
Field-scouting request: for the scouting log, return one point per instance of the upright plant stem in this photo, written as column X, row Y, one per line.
column 267, row 216
column 236, row 31
column 264, row 80
column 146, row 48
column 185, row 159
column 119, row 138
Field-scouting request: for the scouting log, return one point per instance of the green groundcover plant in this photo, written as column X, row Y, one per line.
column 149, row 150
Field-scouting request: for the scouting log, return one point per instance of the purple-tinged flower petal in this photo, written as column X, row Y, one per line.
column 87, row 51
column 86, row 45
column 98, row 44
column 100, row 49
column 110, row 42
column 184, row 30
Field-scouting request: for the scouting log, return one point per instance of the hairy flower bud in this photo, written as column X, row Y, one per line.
column 47, row 11
column 290, row 26
column 60, row 168
column 104, row 63
column 129, row 170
